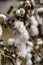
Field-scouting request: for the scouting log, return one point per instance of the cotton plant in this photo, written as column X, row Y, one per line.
column 27, row 41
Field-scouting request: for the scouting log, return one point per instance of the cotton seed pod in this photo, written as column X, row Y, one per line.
column 18, row 12
column 10, row 41
column 34, row 31
column 1, row 31
column 18, row 62
column 34, row 21
column 30, row 43
column 29, row 56
column 22, row 11
column 39, row 41
column 29, row 62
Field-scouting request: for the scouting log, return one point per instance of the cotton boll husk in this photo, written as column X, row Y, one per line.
column 22, row 11
column 22, row 36
column 1, row 31
column 29, row 56
column 34, row 30
column 10, row 41
column 39, row 41
column 29, row 62
column 30, row 43
column 34, row 21
column 18, row 62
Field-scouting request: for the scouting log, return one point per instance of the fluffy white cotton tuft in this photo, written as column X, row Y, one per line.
column 34, row 21
column 34, row 30
column 30, row 43
column 21, row 35
column 39, row 41
column 18, row 62
column 11, row 41
column 0, row 30
column 29, row 62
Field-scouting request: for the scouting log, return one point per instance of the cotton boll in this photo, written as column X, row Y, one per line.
column 39, row 10
column 2, row 17
column 22, row 11
column 27, row 2
column 13, row 55
column 1, row 31
column 39, row 41
column 21, row 35
column 37, row 47
column 29, row 62
column 29, row 56
column 29, row 49
column 18, row 62
column 22, row 50
column 30, row 43
column 18, row 12
column 34, row 30
column 34, row 21
column 21, row 3
column 10, row 41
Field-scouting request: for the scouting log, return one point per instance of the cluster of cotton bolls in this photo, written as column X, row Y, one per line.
column 27, row 33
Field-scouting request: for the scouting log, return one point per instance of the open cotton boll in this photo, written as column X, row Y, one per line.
column 29, row 56
column 39, row 41
column 18, row 12
column 2, row 17
column 34, row 21
column 29, row 62
column 22, row 11
column 30, row 43
column 22, row 50
column 18, row 62
column 22, row 35
column 10, row 41
column 29, row 49
column 27, row 2
column 34, row 30
column 1, row 31
column 39, row 10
